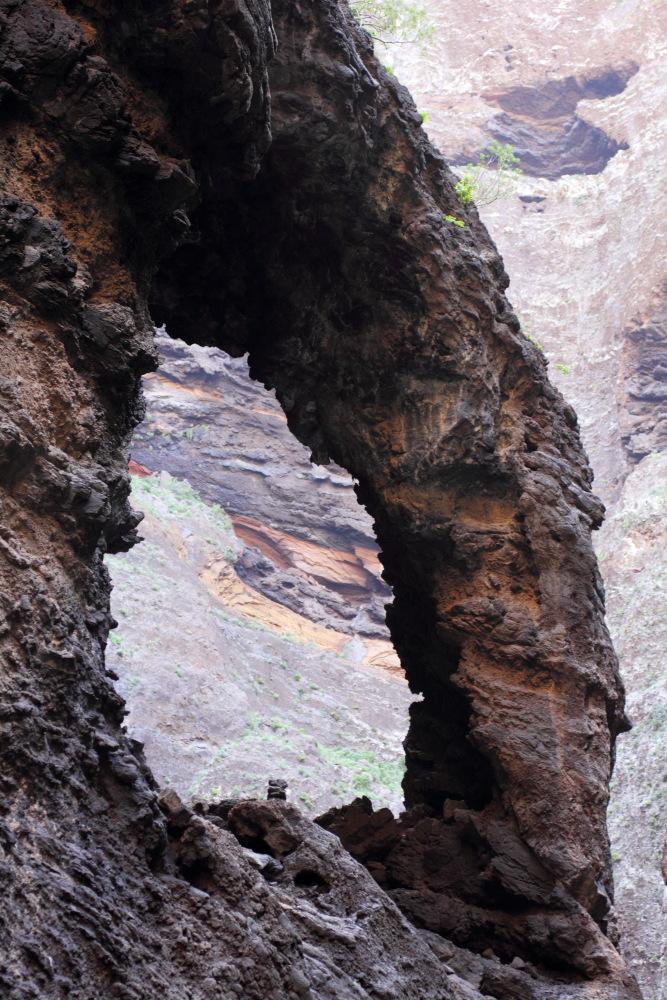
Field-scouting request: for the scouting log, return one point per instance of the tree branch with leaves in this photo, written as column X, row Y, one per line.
column 393, row 22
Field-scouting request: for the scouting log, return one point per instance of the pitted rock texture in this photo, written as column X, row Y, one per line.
column 387, row 336
column 474, row 475
column 583, row 264
column 586, row 257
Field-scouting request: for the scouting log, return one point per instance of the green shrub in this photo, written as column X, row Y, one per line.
column 492, row 178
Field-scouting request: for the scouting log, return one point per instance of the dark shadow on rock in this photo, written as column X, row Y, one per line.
column 543, row 126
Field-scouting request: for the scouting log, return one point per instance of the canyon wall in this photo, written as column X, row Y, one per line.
column 310, row 546
column 579, row 91
column 140, row 165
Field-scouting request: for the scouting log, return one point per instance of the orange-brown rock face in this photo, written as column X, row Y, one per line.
column 385, row 331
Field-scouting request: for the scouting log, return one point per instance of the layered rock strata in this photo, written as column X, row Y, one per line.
column 386, row 334
column 310, row 546
column 586, row 256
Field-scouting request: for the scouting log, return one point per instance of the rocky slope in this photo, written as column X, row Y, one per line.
column 632, row 556
column 226, row 688
column 316, row 241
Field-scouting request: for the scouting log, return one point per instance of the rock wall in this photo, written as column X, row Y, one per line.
column 226, row 687
column 137, row 139
column 586, row 256
column 585, row 253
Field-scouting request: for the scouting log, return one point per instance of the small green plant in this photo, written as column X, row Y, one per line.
column 362, row 782
column 492, row 178
column 189, row 433
column 565, row 369
column 307, row 801
column 253, row 722
column 424, row 117
column 533, row 341
column 454, row 220
column 229, row 554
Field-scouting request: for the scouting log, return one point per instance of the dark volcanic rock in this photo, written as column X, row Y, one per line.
column 392, row 348
column 555, row 148
column 559, row 98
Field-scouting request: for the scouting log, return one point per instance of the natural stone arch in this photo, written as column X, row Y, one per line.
column 385, row 331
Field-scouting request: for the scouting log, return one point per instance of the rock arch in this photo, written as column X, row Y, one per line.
column 138, row 168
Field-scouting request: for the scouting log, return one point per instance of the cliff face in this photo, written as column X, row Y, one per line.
column 136, row 140
column 605, row 230
column 586, row 256
column 227, row 687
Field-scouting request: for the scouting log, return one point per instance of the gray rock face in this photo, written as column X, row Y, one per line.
column 238, row 450
column 542, row 124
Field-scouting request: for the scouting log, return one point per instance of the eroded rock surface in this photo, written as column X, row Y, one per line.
column 393, row 351
column 586, row 257
column 542, row 125
column 225, row 686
